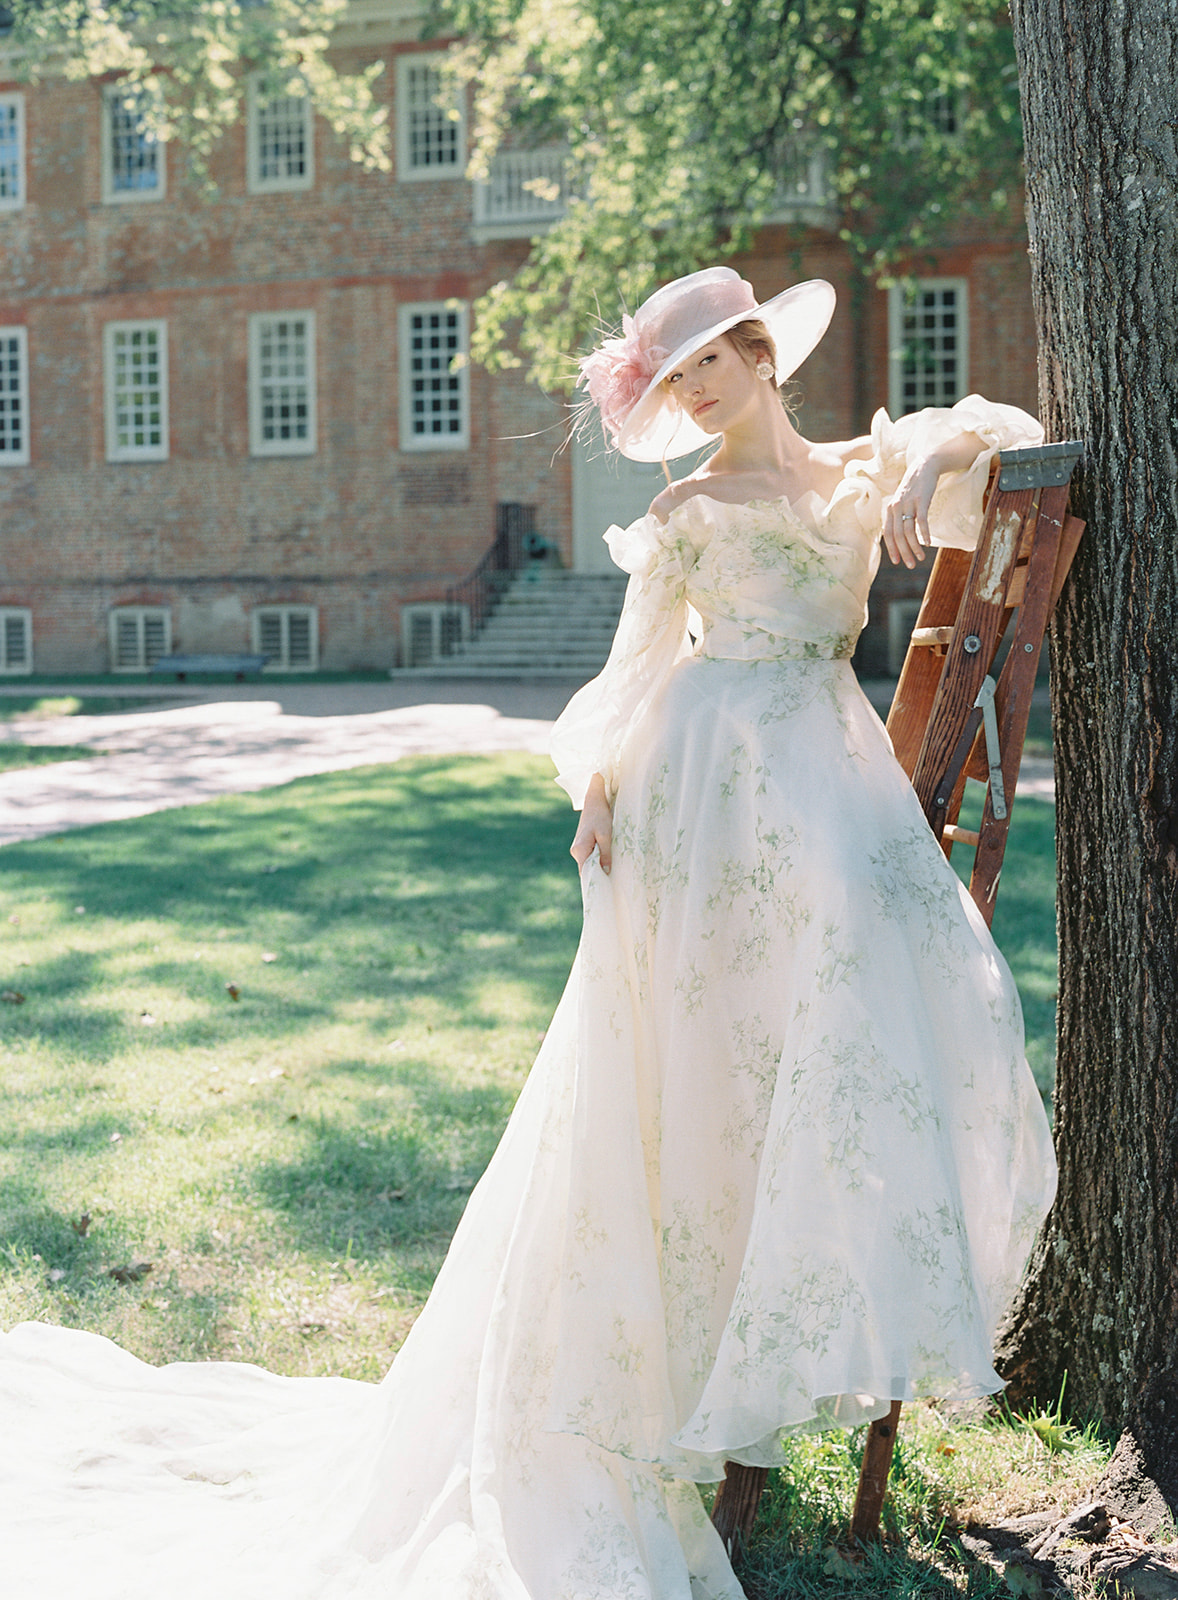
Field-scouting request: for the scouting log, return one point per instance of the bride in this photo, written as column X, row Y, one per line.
column 780, row 1158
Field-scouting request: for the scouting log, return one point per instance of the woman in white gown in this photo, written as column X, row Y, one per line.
column 780, row 1159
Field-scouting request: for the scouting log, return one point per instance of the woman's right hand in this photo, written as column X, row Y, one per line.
column 595, row 830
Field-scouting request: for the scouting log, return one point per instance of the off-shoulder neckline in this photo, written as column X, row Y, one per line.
column 759, row 501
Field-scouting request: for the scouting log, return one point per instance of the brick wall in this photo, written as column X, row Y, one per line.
column 361, row 527
column 358, row 527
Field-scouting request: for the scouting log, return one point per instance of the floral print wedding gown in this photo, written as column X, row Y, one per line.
column 779, row 1161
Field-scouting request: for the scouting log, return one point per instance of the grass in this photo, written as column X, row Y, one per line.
column 16, row 756
column 292, row 1161
column 1024, row 919
column 976, row 1464
column 42, row 706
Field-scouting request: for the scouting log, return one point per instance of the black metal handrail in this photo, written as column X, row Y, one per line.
column 480, row 591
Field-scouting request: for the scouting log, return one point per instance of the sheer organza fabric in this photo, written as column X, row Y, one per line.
column 779, row 1160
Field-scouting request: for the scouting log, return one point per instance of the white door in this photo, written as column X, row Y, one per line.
column 606, row 489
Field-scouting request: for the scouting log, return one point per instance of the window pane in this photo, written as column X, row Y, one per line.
column 12, row 399
column 127, row 636
column 154, row 638
column 137, row 390
column 435, row 389
column 134, row 152
column 298, row 639
column 16, row 641
column 433, row 133
column 283, row 376
column 10, row 153
column 282, row 131
column 270, row 634
column 931, row 370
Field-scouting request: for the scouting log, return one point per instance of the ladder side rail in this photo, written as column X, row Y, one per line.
column 975, row 641
column 921, row 673
column 1016, row 686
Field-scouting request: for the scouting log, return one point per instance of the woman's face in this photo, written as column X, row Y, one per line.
column 714, row 386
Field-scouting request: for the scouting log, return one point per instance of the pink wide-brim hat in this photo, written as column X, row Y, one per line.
column 624, row 376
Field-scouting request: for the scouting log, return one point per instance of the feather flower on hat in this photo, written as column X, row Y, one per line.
column 618, row 373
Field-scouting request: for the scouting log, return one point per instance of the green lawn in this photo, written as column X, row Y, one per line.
column 291, row 1153
column 15, row 756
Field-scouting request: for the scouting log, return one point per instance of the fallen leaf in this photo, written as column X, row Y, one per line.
column 218, row 1088
column 132, row 1273
column 268, row 955
column 146, row 1018
column 946, row 1449
column 294, row 1117
column 82, row 1226
column 12, row 997
column 116, row 1138
column 233, row 991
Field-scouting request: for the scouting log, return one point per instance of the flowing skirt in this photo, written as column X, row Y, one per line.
column 779, row 1162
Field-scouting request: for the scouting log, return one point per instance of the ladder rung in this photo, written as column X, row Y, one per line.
column 931, row 636
column 957, row 835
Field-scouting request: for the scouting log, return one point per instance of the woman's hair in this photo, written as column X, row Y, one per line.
column 753, row 340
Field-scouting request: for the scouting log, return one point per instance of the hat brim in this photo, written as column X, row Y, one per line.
column 657, row 430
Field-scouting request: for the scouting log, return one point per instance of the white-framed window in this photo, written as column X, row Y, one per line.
column 280, row 142
column 16, row 641
column 431, row 630
column 435, row 379
column 12, row 151
column 139, row 636
column 928, row 343
column 289, row 635
column 134, row 164
column 135, row 364
column 14, row 397
column 282, row 383
column 431, row 127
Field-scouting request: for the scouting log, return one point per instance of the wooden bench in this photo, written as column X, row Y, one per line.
column 240, row 666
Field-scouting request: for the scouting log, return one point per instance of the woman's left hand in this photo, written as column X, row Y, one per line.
column 905, row 522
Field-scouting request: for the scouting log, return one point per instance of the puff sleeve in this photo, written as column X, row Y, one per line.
column 652, row 636
column 955, row 516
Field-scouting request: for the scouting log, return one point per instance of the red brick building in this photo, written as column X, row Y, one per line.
column 236, row 423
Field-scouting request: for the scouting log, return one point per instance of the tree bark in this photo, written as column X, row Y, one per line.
column 1100, row 1304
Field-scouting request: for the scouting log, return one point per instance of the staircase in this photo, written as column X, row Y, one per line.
column 548, row 623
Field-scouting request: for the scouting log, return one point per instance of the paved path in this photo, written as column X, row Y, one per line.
column 193, row 744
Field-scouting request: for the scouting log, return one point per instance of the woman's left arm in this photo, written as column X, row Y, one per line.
column 905, row 514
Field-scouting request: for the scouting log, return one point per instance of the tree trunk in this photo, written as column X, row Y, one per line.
column 1100, row 1304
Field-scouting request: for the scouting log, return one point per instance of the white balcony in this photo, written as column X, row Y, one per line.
column 804, row 192
column 526, row 193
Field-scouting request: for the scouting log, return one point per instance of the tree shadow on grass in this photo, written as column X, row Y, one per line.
column 394, row 875
column 390, row 1184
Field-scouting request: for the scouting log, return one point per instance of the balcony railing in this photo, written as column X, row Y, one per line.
column 804, row 191
column 527, row 191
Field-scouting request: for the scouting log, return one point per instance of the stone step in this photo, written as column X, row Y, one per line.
column 558, row 624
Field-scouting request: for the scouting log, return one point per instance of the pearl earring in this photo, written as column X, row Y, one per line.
column 765, row 369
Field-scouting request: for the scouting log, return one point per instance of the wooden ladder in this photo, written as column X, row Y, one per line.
column 951, row 719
